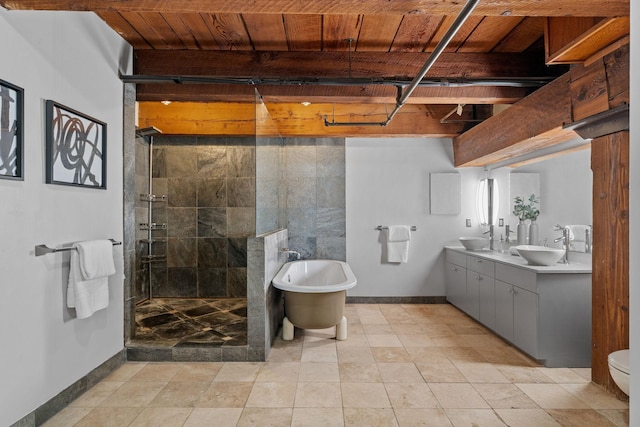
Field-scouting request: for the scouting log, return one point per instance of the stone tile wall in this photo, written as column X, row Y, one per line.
column 210, row 212
column 315, row 197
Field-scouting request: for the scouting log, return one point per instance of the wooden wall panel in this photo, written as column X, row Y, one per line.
column 610, row 288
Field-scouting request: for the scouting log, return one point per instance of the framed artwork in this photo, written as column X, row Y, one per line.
column 12, row 134
column 76, row 148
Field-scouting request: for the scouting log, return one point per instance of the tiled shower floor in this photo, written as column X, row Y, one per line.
column 192, row 322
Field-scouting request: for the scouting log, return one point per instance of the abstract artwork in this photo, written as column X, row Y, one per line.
column 11, row 135
column 76, row 148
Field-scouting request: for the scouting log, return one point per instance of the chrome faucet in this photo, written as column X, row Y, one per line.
column 565, row 239
column 508, row 232
column 289, row 252
column 491, row 239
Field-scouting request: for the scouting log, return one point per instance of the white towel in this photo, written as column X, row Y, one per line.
column 398, row 237
column 91, row 264
column 577, row 232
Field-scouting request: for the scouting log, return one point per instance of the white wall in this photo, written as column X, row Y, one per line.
column 387, row 182
column 566, row 195
column 74, row 59
column 634, row 222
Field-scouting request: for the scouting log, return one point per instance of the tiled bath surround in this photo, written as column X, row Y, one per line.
column 315, row 197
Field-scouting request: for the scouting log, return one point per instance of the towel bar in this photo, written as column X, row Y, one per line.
column 383, row 227
column 44, row 249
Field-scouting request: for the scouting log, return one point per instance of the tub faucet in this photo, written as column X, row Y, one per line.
column 289, row 251
column 565, row 239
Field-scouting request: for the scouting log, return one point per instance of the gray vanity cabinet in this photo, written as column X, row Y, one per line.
column 544, row 311
column 456, row 277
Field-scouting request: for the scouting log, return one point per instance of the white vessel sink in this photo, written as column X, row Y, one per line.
column 540, row 255
column 473, row 243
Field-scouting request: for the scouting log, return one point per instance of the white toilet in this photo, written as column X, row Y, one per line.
column 619, row 369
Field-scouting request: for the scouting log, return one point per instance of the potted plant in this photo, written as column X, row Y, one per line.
column 527, row 210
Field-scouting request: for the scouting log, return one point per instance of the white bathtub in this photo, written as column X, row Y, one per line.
column 314, row 295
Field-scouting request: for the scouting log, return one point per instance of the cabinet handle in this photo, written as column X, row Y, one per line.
column 478, row 260
column 478, row 277
column 454, row 269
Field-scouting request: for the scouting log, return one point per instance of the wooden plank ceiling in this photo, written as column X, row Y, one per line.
column 357, row 43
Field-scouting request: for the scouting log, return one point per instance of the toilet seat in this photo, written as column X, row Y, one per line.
column 620, row 360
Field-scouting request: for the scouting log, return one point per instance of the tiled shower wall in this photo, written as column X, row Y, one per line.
column 315, row 197
column 210, row 212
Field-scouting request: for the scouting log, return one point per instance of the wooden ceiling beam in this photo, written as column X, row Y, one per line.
column 533, row 123
column 328, row 94
column 401, row 7
column 296, row 120
column 281, row 64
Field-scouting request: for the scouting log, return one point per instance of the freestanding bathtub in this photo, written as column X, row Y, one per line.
column 314, row 295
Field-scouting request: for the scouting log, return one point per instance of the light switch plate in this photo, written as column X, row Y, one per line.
column 468, row 222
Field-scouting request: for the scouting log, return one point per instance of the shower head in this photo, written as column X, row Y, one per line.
column 150, row 131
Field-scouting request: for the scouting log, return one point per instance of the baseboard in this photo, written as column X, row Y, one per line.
column 54, row 405
column 397, row 300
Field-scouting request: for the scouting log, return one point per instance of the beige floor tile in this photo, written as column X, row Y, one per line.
column 285, row 354
column 399, row 373
column 359, row 373
column 125, row 372
column 391, row 354
column 132, row 394
column 552, row 396
column 319, row 372
column 594, row 396
column 524, row 374
column 474, row 417
column 97, row 394
column 355, row 354
column 109, row 417
column 583, row 372
column 379, row 329
column 272, row 395
column 219, row 417
column 412, row 328
column 463, row 354
column 318, row 335
column 619, row 417
column 373, row 319
column 238, row 372
column 440, row 372
column 563, row 375
column 364, row 395
column 156, row 372
column 410, row 395
column 458, row 396
column 369, row 417
column 481, row 373
column 197, row 372
column 415, row 340
column 384, row 340
column 426, row 354
column 579, row 418
column 279, row 372
column 179, row 395
column 354, row 339
column 225, row 395
column 527, row 418
column 504, row 396
column 317, row 417
column 447, row 341
column 440, row 330
column 318, row 395
column 69, row 416
column 422, row 418
column 161, row 417
column 265, row 417
column 319, row 353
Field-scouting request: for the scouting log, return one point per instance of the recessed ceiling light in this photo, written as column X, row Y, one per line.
column 306, row 103
column 165, row 102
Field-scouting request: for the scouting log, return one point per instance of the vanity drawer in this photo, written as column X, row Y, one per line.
column 517, row 276
column 480, row 265
column 456, row 258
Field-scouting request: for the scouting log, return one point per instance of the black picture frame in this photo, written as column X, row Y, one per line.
column 76, row 148
column 11, row 131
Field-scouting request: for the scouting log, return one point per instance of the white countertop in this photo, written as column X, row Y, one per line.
column 518, row 261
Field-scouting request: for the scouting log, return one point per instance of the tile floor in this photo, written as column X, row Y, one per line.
column 192, row 321
column 402, row 365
